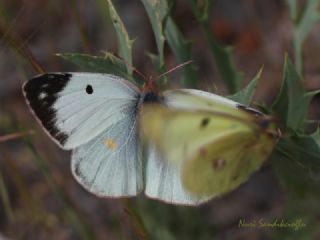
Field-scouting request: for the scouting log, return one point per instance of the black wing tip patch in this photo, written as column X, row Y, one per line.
column 41, row 93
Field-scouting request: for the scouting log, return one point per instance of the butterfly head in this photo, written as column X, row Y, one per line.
column 150, row 91
column 150, row 85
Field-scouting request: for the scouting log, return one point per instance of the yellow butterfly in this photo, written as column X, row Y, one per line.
column 217, row 143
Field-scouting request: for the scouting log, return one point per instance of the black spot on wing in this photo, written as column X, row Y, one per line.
column 41, row 93
column 235, row 178
column 89, row 89
column 204, row 122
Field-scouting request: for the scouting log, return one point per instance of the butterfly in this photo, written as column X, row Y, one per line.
column 97, row 116
column 215, row 142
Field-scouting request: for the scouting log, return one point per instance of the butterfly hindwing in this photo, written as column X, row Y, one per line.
column 225, row 163
column 76, row 107
column 110, row 164
column 164, row 181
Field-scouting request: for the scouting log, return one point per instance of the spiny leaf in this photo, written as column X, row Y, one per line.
column 245, row 95
column 292, row 102
column 107, row 64
column 316, row 136
column 302, row 196
column 293, row 9
column 157, row 11
column 296, row 179
column 302, row 27
column 301, row 149
column 310, row 17
column 202, row 9
column 125, row 43
column 181, row 48
column 222, row 55
column 156, row 62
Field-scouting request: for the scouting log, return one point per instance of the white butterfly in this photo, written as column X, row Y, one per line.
column 97, row 115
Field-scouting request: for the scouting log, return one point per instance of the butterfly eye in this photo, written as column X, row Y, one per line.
column 89, row 89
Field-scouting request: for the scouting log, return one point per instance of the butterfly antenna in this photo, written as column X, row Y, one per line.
column 175, row 68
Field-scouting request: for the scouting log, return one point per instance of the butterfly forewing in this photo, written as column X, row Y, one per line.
column 177, row 133
column 193, row 99
column 76, row 107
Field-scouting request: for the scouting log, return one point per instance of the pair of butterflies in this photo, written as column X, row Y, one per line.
column 181, row 146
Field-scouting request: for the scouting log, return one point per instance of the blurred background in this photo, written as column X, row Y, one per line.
column 39, row 199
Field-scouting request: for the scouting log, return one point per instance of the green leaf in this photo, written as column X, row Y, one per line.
column 107, row 64
column 157, row 12
column 125, row 44
column 222, row 55
column 164, row 28
column 316, row 136
column 302, row 27
column 201, row 9
column 310, row 17
column 302, row 149
column 245, row 95
column 297, row 161
column 181, row 48
column 160, row 69
column 293, row 9
column 302, row 198
column 292, row 102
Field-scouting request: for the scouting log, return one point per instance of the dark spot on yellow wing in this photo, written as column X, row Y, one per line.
column 265, row 152
column 89, row 89
column 235, row 178
column 218, row 163
column 204, row 122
